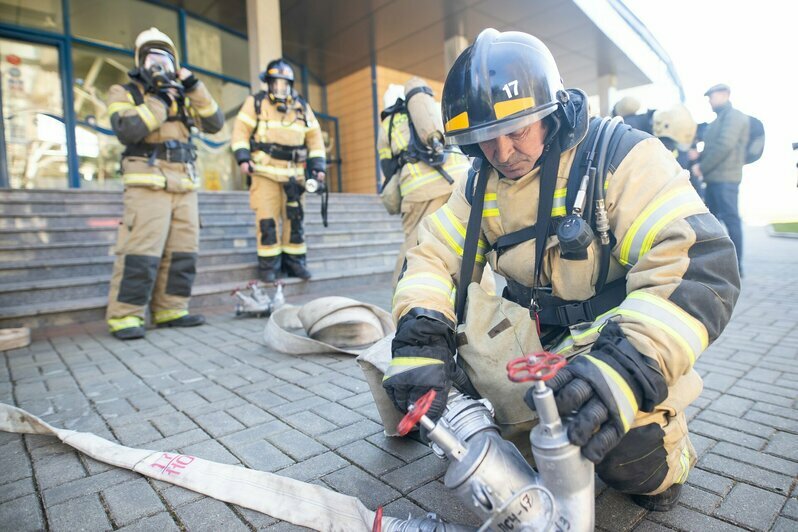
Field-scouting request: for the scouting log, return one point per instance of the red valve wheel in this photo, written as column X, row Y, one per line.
column 535, row 367
column 377, row 525
column 414, row 414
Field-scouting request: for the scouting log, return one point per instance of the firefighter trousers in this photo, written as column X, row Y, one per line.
column 156, row 257
column 279, row 219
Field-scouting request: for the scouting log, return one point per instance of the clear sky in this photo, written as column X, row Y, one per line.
column 753, row 47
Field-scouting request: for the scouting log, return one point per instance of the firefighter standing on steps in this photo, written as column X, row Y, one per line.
column 276, row 138
column 158, row 240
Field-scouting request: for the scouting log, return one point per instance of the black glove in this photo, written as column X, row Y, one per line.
column 603, row 391
column 423, row 359
column 249, row 180
column 189, row 83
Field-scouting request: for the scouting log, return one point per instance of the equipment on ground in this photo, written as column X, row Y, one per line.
column 254, row 300
column 490, row 475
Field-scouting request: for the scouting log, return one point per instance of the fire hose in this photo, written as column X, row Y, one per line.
column 485, row 471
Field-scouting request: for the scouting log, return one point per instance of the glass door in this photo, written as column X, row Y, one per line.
column 32, row 112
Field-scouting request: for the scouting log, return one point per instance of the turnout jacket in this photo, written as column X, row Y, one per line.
column 152, row 123
column 679, row 265
column 296, row 128
column 417, row 180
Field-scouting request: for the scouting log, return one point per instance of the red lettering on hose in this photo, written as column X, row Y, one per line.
column 172, row 464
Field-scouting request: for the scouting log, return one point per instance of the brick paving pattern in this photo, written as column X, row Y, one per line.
column 218, row 393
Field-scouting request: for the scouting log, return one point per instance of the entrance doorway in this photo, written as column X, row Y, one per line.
column 33, row 146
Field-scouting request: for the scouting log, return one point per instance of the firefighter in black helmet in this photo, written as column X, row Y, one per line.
column 277, row 143
column 600, row 236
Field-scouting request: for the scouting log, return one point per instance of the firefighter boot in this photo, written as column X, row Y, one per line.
column 662, row 502
column 186, row 320
column 268, row 268
column 129, row 333
column 296, row 266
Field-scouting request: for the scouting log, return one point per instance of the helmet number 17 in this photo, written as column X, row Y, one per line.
column 507, row 88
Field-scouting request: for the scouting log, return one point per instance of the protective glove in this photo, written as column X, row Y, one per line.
column 602, row 392
column 423, row 359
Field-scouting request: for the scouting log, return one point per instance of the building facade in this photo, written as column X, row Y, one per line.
column 58, row 59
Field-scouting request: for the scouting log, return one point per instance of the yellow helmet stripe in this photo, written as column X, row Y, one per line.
column 511, row 107
column 458, row 122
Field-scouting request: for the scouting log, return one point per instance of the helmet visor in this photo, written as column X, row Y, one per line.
column 280, row 88
column 160, row 61
column 498, row 128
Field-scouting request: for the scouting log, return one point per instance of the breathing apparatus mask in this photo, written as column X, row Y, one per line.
column 158, row 70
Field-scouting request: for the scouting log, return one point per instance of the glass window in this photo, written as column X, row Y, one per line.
column 118, row 23
column 42, row 14
column 32, row 115
column 315, row 97
column 216, row 50
column 98, row 149
column 216, row 165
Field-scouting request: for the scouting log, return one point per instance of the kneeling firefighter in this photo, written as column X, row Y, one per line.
column 158, row 240
column 417, row 169
column 276, row 139
column 611, row 259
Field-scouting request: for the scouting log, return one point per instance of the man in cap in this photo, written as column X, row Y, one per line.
column 276, row 139
column 721, row 162
column 600, row 235
column 158, row 240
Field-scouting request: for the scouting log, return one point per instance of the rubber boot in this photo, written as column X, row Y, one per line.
column 129, row 333
column 268, row 268
column 662, row 502
column 189, row 320
column 295, row 266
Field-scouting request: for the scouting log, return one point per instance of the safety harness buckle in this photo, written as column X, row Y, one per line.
column 574, row 313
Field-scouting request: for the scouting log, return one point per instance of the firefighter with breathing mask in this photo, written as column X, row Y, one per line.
column 156, row 249
column 276, row 140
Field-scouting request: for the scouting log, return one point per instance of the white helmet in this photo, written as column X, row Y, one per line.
column 154, row 38
column 676, row 123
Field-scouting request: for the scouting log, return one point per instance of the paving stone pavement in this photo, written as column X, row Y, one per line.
column 218, row 393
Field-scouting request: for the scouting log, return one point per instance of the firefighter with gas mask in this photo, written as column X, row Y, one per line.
column 276, row 140
column 158, row 239
column 611, row 259
column 411, row 150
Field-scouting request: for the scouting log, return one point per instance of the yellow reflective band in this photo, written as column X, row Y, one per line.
column 458, row 122
column 279, row 170
column 510, row 107
column 208, row 110
column 248, row 120
column 118, row 107
column 241, row 145
column 144, row 179
column 558, row 206
column 295, row 249
column 402, row 364
column 162, row 316
column 269, row 251
column 563, row 346
column 454, row 233
column 596, row 325
column 316, row 153
column 685, row 330
column 293, row 126
column 427, row 282
column 117, row 324
column 558, row 211
column 638, row 240
column 385, row 153
column 627, row 414
column 490, row 209
column 684, row 460
column 147, row 116
column 420, row 179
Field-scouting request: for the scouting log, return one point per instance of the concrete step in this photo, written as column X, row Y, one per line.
column 101, row 245
column 61, row 196
column 107, row 232
column 208, row 217
column 46, row 291
column 91, row 265
column 90, row 309
column 15, row 207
